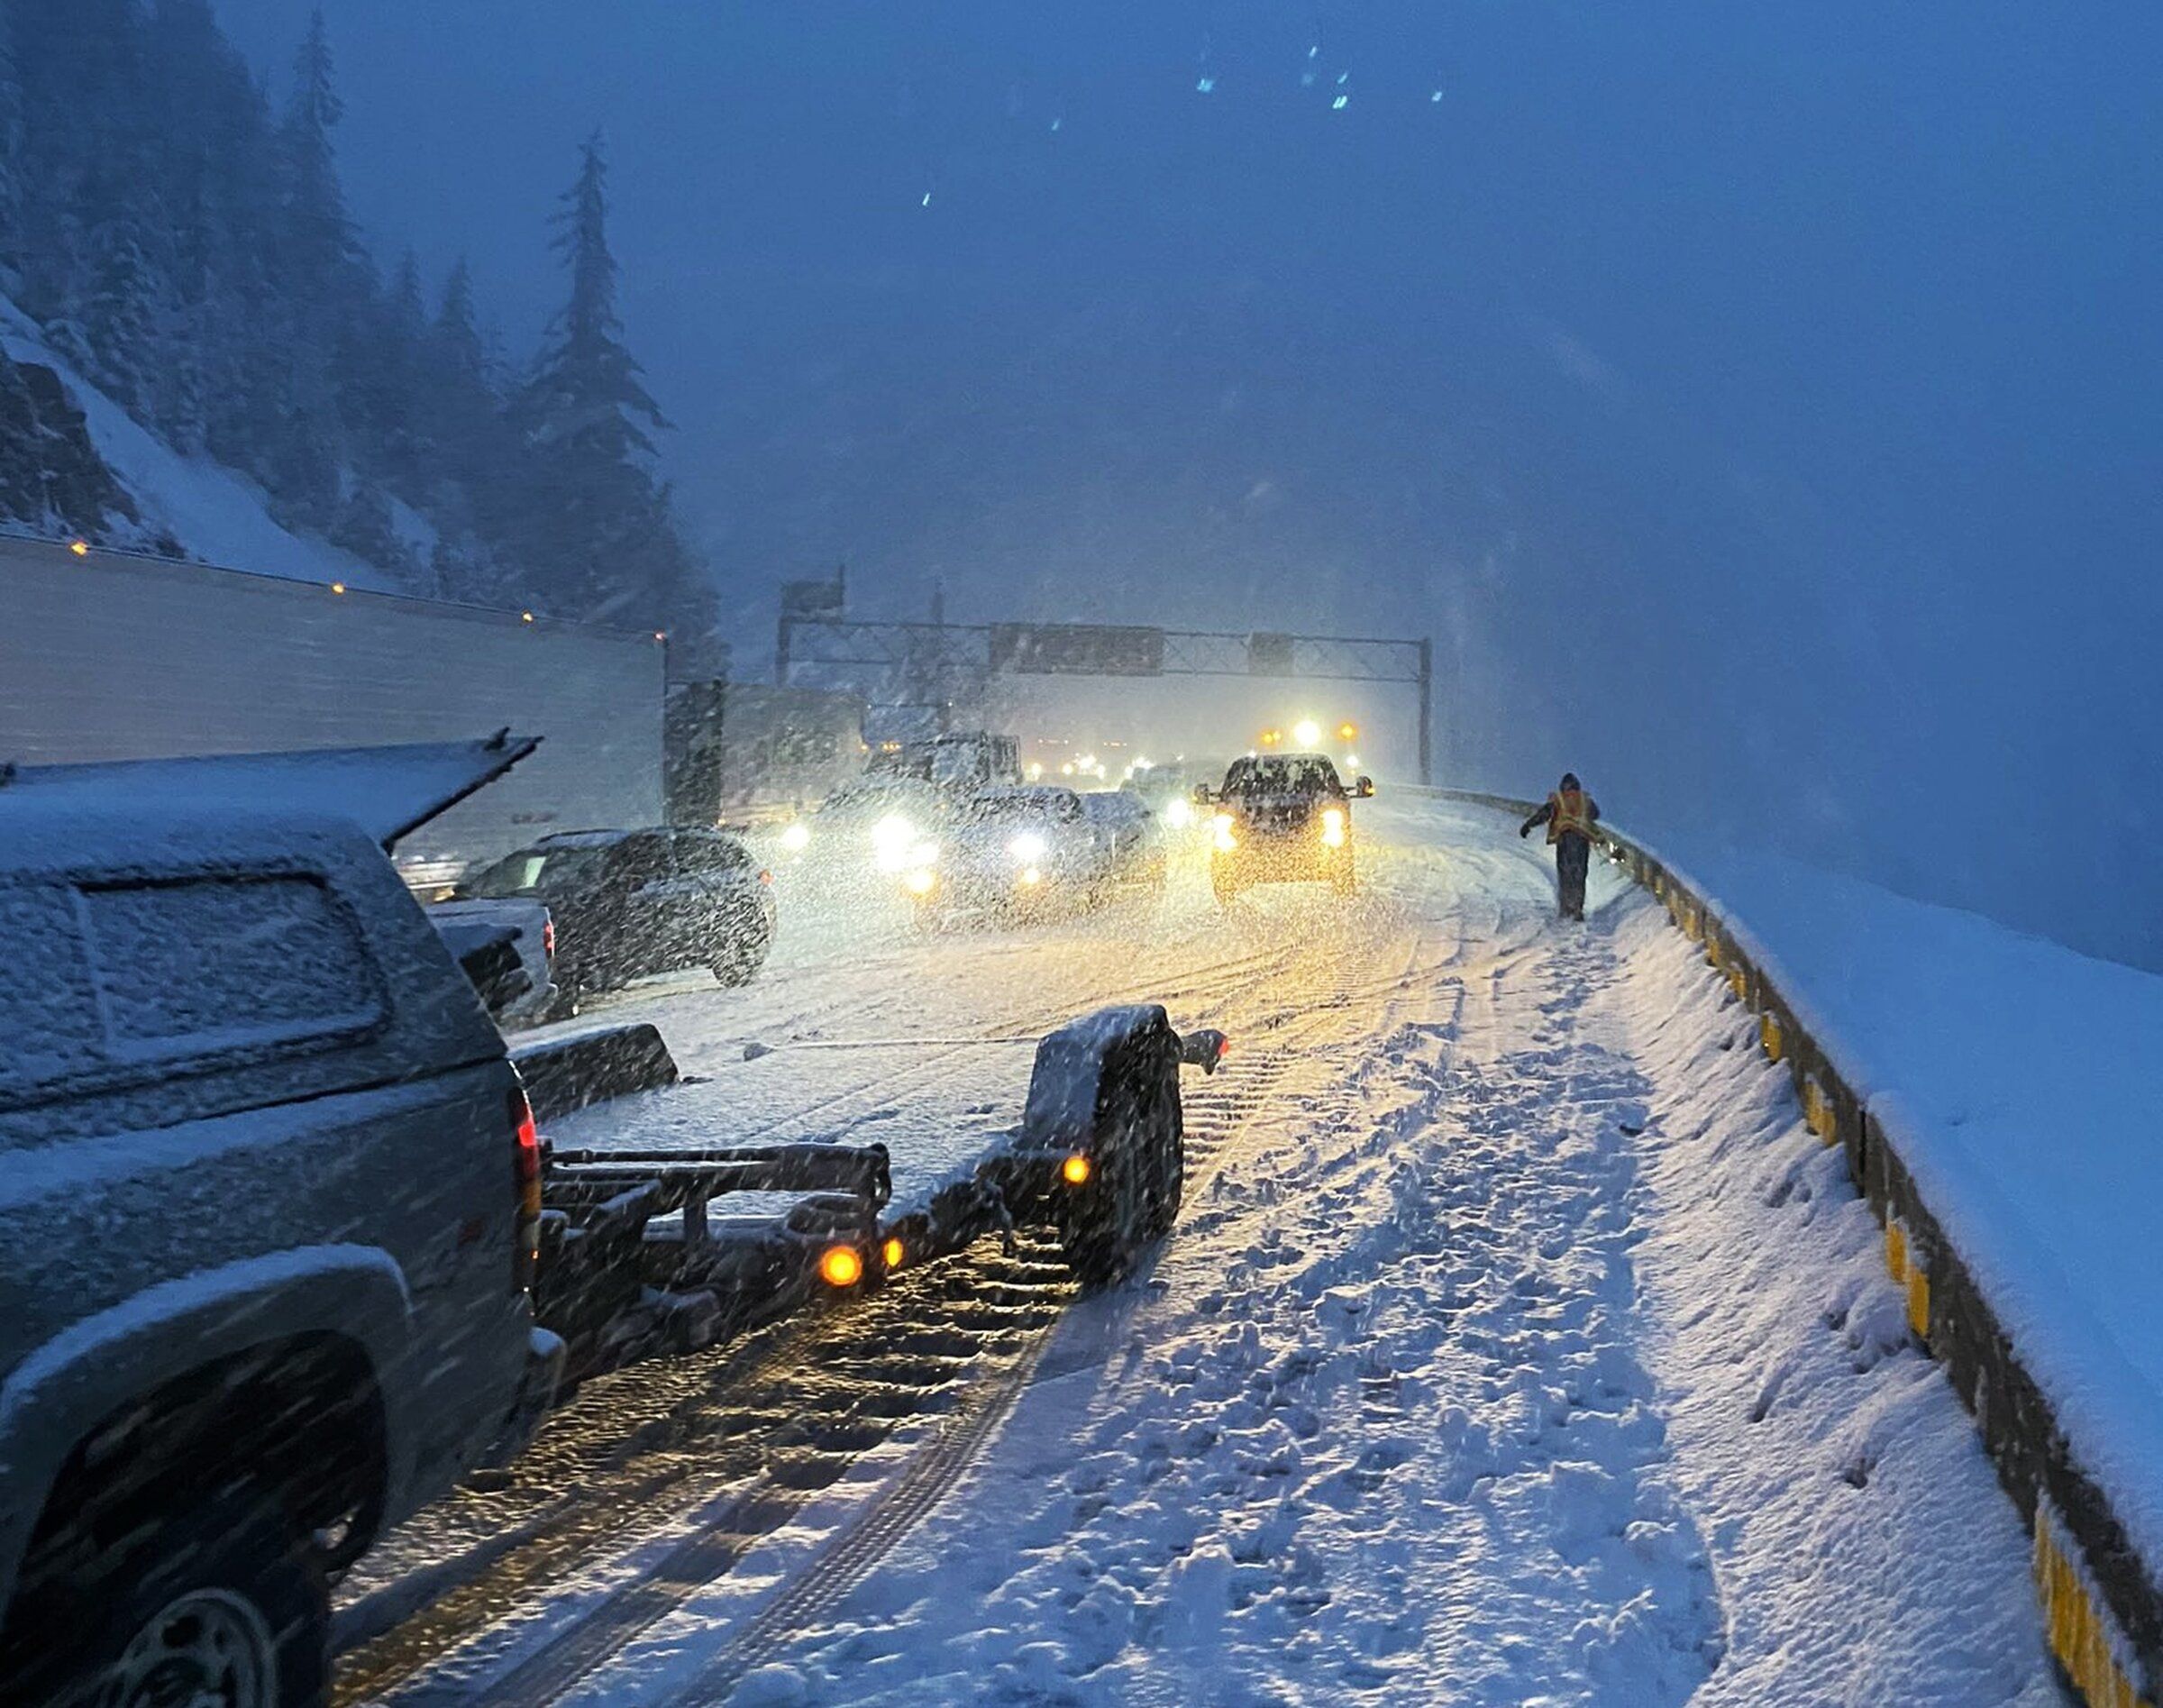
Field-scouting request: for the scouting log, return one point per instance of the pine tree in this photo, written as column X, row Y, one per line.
column 323, row 253
column 125, row 317
column 598, row 534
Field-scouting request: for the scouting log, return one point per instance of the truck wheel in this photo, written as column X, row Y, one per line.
column 1166, row 1175
column 225, row 1606
column 1103, row 1238
column 740, row 963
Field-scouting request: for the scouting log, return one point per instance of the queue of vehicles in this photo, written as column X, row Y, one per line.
column 354, row 1270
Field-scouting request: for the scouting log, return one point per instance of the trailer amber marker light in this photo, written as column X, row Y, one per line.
column 1074, row 1170
column 893, row 1252
column 840, row 1266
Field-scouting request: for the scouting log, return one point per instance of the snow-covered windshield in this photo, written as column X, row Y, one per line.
column 1291, row 775
column 1050, row 807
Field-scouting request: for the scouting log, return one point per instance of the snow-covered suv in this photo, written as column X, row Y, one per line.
column 268, row 1193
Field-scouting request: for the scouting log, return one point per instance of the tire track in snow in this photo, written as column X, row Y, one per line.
column 933, row 1472
column 611, row 1504
column 1404, row 1341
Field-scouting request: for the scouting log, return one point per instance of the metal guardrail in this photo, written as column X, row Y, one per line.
column 2103, row 1610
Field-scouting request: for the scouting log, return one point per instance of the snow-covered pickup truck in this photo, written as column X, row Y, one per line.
column 270, row 1206
column 507, row 947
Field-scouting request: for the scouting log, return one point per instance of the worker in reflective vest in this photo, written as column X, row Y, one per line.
column 1569, row 816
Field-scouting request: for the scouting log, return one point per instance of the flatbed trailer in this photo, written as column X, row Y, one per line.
column 643, row 1253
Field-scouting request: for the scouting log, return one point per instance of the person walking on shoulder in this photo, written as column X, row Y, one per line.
column 1569, row 816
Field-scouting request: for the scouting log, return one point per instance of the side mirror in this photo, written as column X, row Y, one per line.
column 1203, row 1049
column 1363, row 789
column 1203, row 795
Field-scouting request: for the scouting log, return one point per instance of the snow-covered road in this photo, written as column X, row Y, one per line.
column 1518, row 1344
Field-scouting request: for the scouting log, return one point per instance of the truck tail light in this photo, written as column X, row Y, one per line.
column 526, row 1173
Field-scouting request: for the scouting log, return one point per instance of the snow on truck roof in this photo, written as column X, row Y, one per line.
column 1026, row 792
column 387, row 792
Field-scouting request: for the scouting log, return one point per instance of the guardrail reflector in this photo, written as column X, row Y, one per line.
column 1818, row 1113
column 1769, row 1035
column 2082, row 1633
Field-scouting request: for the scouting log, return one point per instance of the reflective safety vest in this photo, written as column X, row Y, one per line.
column 1570, row 812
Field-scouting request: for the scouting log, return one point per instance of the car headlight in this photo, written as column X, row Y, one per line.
column 922, row 881
column 1179, row 813
column 1333, row 826
column 890, row 840
column 797, row 837
column 1222, row 832
column 1028, row 847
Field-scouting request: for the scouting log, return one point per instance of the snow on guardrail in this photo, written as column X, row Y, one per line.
column 2102, row 1608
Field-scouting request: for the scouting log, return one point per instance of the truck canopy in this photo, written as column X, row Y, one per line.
column 388, row 791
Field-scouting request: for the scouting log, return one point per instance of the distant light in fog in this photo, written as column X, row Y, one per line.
column 661, row 635
column 81, row 548
column 337, row 587
column 1306, row 732
column 523, row 617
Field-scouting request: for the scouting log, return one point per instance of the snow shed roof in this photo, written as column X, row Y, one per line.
column 388, row 791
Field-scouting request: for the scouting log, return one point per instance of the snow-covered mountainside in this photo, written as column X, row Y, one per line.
column 207, row 510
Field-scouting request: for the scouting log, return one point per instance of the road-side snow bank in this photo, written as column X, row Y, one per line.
column 1866, row 1555
column 2016, row 1075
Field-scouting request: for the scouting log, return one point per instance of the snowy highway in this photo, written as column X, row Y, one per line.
column 1516, row 1344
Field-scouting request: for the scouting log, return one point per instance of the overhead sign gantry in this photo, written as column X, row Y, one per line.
column 939, row 669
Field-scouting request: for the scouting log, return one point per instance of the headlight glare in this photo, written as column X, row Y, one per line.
column 1333, row 826
column 1028, row 847
column 890, row 840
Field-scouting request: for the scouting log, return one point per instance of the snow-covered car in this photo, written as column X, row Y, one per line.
column 1018, row 851
column 271, row 1216
column 1167, row 790
column 1129, row 836
column 629, row 903
column 867, row 830
column 507, row 947
column 1281, row 819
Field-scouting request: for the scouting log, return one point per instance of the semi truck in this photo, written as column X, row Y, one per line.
column 110, row 655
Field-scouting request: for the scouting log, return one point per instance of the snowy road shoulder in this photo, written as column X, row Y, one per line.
column 1528, row 1350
